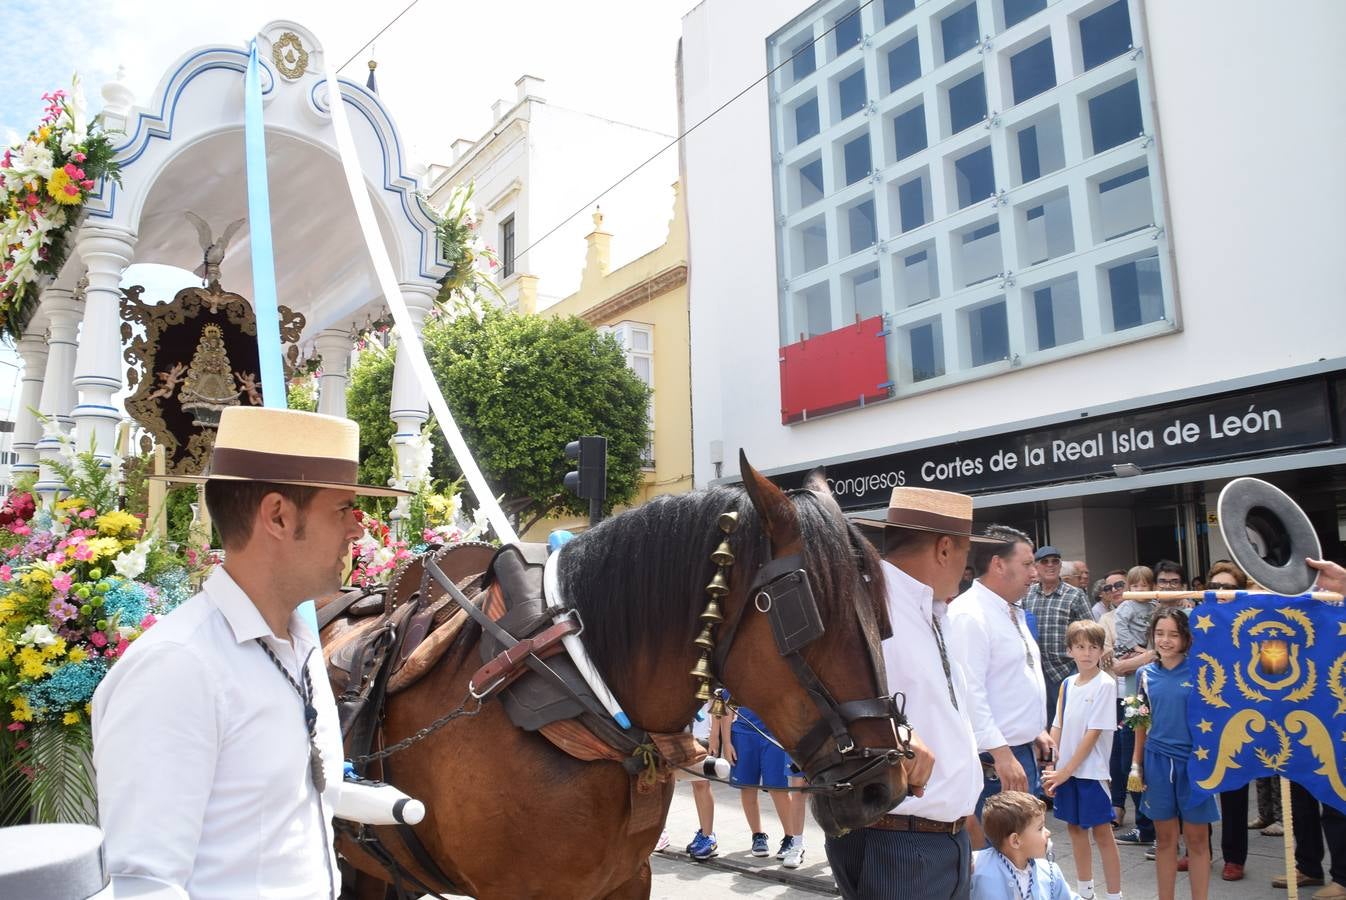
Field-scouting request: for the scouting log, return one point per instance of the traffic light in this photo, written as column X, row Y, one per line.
column 590, row 478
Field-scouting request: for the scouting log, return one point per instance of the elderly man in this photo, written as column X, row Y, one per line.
column 1000, row 661
column 230, row 690
column 921, row 848
column 1054, row 604
column 1075, row 572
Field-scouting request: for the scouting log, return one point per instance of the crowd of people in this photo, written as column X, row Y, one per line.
column 1020, row 692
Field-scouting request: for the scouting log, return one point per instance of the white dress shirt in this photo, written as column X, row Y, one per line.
column 1007, row 698
column 911, row 657
column 202, row 755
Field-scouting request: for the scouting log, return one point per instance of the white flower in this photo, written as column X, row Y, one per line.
column 128, row 632
column 383, row 556
column 366, row 545
column 38, row 636
column 131, row 563
column 33, row 159
column 420, row 454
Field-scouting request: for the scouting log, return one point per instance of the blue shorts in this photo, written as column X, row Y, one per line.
column 1027, row 755
column 1169, row 795
column 759, row 762
column 1083, row 802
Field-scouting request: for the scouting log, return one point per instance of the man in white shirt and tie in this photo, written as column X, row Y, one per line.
column 215, row 739
column 920, row 849
column 1002, row 665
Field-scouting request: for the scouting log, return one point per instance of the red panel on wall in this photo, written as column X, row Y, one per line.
column 843, row 368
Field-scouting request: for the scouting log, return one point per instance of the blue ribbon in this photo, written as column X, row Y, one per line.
column 264, row 304
column 263, row 258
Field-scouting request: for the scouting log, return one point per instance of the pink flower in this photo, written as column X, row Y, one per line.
column 147, row 621
column 83, row 553
column 61, row 582
column 87, row 184
column 87, row 513
column 21, row 529
column 98, row 639
column 15, row 726
column 6, row 573
column 74, row 171
column 78, row 157
column 55, row 557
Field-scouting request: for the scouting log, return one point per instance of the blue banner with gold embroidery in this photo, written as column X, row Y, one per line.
column 1270, row 694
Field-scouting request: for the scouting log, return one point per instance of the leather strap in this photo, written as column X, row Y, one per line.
column 890, row 822
column 338, row 607
column 494, row 673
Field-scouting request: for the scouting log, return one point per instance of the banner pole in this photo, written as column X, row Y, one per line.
column 1288, row 825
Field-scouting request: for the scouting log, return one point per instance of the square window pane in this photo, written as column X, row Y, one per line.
column 1136, row 292
column 1114, row 116
column 917, row 277
column 1047, row 231
column 987, row 334
column 979, row 254
column 909, row 132
column 804, row 59
column 896, row 9
column 1032, row 70
column 857, row 159
column 818, row 309
column 1018, row 10
column 810, row 182
column 926, row 347
column 912, row 203
column 1124, row 204
column 1042, row 149
column 975, row 176
column 866, row 296
column 862, row 226
column 960, row 31
column 1055, row 313
column 640, row 339
column 847, row 33
column 809, row 246
column 851, row 93
column 904, row 64
column 1105, row 35
column 806, row 120
column 640, row 365
column 967, row 103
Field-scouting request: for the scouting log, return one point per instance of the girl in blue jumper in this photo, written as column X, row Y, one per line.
column 1160, row 760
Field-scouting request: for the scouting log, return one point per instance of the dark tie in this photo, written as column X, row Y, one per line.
column 943, row 657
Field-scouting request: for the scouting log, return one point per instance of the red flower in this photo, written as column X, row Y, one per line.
column 87, row 184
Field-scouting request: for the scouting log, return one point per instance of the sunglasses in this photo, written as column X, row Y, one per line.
column 1222, row 586
column 1116, row 586
column 1169, row 582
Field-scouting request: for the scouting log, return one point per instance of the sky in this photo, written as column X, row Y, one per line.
column 440, row 66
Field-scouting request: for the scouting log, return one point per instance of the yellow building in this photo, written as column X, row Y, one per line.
column 644, row 305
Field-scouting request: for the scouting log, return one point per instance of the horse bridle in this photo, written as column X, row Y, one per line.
column 782, row 591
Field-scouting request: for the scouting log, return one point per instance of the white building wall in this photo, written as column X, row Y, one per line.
column 1250, row 126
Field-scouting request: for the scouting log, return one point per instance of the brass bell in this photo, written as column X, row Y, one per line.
column 702, row 668
column 712, row 613
column 718, row 707
column 728, row 522
column 718, row 586
column 704, row 640
column 703, row 692
column 723, row 556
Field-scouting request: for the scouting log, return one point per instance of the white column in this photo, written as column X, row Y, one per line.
column 58, row 393
column 98, row 366
column 334, row 348
column 410, row 409
column 32, row 349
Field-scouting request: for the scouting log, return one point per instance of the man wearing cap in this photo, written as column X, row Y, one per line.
column 920, row 848
column 216, row 743
column 1000, row 660
column 1055, row 605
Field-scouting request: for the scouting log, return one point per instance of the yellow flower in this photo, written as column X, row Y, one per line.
column 72, row 503
column 44, row 132
column 62, row 189
column 78, row 654
column 104, row 547
column 54, row 650
column 22, row 712
column 70, row 718
column 117, row 524
column 30, row 663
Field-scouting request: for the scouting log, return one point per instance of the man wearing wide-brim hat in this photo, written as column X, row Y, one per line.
column 921, row 847
column 216, row 743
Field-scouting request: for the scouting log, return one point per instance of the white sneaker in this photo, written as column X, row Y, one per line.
column 663, row 841
column 794, row 857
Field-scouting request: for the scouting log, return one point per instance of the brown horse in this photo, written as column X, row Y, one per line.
column 511, row 816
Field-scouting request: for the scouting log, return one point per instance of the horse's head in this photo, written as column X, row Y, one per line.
column 800, row 646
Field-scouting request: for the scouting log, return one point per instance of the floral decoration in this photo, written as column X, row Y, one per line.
column 45, row 180
column 470, row 260
column 79, row 582
column 1136, row 711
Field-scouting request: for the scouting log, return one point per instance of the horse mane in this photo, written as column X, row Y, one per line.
column 638, row 580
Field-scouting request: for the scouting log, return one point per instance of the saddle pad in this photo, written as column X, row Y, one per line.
column 430, row 651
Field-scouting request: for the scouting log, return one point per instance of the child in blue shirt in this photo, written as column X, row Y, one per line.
column 1013, row 867
column 1162, row 750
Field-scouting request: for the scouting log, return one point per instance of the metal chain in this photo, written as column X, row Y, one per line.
column 461, row 712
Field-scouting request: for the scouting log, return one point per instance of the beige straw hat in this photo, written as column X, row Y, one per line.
column 287, row 446
column 926, row 509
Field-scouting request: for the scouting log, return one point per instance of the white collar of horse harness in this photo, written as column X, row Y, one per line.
column 781, row 590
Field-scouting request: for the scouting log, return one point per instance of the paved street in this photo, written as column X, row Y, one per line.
column 735, row 873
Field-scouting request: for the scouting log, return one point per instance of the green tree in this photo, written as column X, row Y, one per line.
column 520, row 387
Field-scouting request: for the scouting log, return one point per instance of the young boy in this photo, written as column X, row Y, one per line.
column 1086, row 717
column 1014, row 869
column 760, row 764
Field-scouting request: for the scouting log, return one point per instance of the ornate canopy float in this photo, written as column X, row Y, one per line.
column 181, row 198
